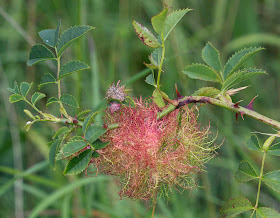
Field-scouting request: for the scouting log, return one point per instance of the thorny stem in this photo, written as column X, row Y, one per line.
column 259, row 186
column 224, row 104
column 161, row 61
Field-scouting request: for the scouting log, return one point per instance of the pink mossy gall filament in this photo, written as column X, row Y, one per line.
column 149, row 156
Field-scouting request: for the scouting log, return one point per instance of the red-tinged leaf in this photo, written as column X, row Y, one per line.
column 145, row 35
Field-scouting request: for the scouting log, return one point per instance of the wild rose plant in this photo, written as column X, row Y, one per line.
column 149, row 146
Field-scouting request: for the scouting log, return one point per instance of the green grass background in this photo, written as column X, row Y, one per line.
column 27, row 183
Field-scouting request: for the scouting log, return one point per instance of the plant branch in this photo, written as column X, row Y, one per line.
column 230, row 106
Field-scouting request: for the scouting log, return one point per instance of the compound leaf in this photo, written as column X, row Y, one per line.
column 69, row 36
column 253, row 143
column 39, row 53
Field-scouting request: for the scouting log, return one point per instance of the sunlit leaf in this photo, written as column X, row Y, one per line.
column 235, row 207
column 39, row 53
column 78, row 164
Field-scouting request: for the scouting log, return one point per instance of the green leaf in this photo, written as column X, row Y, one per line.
column 274, row 150
column 272, row 179
column 98, row 144
column 62, row 131
column 47, row 79
column 52, row 100
column 267, row 212
column 69, row 36
column 235, row 207
column 240, row 76
column 78, row 164
column 75, row 138
column 155, row 58
column 202, row 72
column 24, row 88
column 94, row 132
column 206, row 91
column 53, row 151
column 39, row 53
column 89, row 120
column 245, row 172
column 150, row 79
column 145, row 35
column 158, row 21
column 71, row 148
column 15, row 90
column 70, row 100
column 158, row 99
column 172, row 19
column 36, row 97
column 50, row 36
column 71, row 67
column 211, row 56
column 15, row 97
column 95, row 154
column 253, row 143
column 81, row 115
column 238, row 59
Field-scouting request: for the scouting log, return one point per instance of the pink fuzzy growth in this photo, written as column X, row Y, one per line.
column 146, row 154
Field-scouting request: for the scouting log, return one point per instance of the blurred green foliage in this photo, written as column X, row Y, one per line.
column 114, row 53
